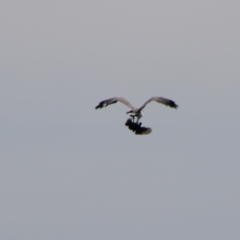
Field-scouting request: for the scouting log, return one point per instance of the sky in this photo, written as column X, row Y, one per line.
column 69, row 171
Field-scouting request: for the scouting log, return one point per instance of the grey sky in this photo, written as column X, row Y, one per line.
column 70, row 172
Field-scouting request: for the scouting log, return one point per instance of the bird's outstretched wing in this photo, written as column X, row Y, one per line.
column 162, row 100
column 109, row 101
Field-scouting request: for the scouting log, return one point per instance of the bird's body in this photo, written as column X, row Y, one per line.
column 136, row 112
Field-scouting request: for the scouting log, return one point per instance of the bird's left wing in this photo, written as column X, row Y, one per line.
column 162, row 100
column 109, row 101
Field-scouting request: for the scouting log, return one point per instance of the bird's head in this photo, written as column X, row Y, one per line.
column 131, row 111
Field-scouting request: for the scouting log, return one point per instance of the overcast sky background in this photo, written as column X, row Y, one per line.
column 70, row 172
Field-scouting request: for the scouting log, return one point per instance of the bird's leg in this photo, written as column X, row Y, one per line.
column 138, row 118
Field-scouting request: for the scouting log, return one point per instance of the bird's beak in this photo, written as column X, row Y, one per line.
column 128, row 112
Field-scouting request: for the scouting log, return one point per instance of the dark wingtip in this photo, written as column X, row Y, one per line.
column 104, row 104
column 100, row 105
column 173, row 104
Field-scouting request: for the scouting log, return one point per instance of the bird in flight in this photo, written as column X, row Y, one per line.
column 136, row 112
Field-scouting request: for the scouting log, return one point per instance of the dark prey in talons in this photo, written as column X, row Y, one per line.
column 137, row 128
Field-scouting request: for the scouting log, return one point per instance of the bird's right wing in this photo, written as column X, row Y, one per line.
column 109, row 101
